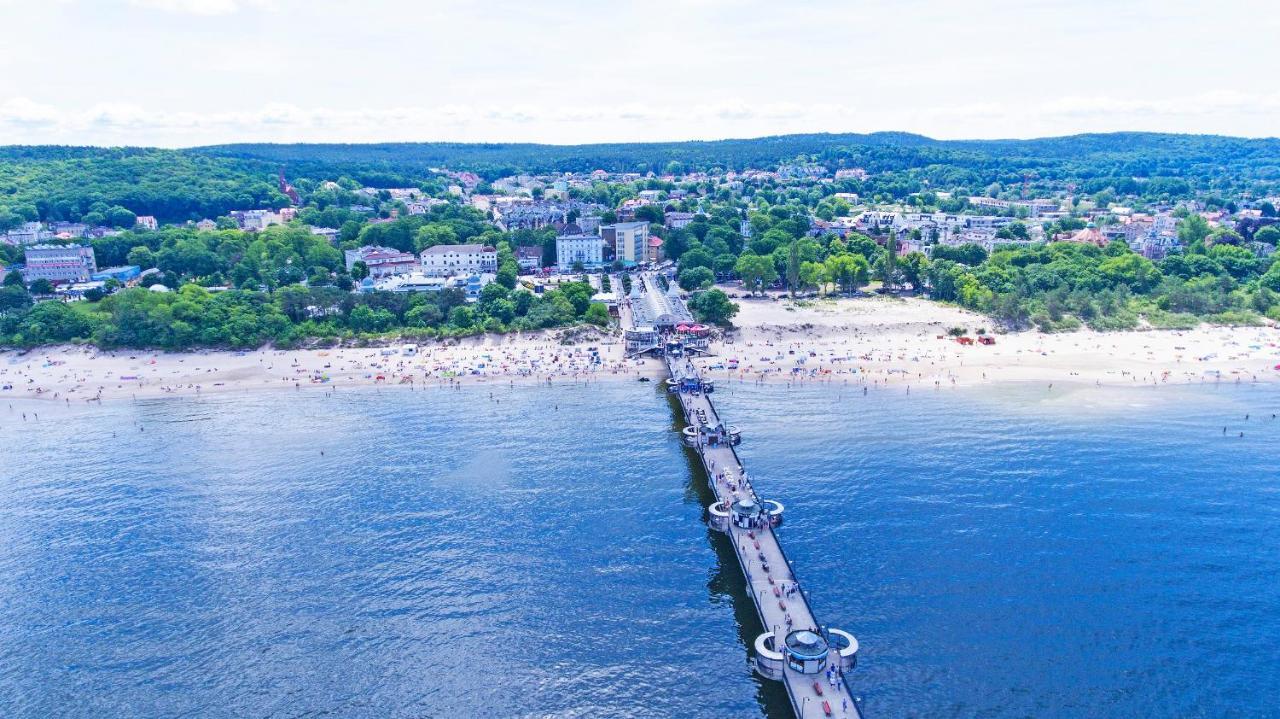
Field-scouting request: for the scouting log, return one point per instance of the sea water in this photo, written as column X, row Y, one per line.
column 1008, row 551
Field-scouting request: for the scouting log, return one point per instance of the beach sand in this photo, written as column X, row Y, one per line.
column 904, row 342
column 70, row 374
column 871, row 341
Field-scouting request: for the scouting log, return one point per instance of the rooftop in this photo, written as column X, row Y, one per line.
column 442, row 249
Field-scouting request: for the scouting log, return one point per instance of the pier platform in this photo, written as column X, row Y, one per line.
column 794, row 649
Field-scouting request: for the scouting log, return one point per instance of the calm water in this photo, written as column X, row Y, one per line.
column 999, row 554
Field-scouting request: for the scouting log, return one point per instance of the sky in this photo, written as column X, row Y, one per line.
column 178, row 73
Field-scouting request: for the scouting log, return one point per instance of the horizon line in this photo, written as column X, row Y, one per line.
column 687, row 141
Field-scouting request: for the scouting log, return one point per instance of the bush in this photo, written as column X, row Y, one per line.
column 1047, row 324
column 1163, row 320
column 1116, row 322
column 1236, row 318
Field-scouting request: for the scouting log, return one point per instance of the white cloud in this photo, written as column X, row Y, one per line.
column 20, row 113
column 201, row 7
column 206, row 71
column 193, row 7
column 129, row 123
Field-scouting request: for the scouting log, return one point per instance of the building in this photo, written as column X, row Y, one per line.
column 628, row 240
column 474, row 283
column 590, row 224
column 27, row 233
column 206, row 225
column 59, row 263
column 120, row 274
column 423, row 206
column 654, row 252
column 382, row 261
column 579, row 248
column 329, row 233
column 651, row 307
column 69, row 230
column 254, row 220
column 854, row 173
column 989, row 203
column 450, row 260
column 529, row 258
column 147, row 222
column 676, row 220
column 413, row 282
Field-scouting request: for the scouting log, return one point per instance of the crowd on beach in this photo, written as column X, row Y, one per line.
column 867, row 343
column 69, row 373
column 931, row 357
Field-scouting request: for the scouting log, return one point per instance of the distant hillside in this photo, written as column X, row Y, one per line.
column 1223, row 164
column 503, row 158
column 68, row 182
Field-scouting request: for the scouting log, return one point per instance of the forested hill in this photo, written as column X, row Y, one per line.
column 71, row 183
column 1142, row 154
column 495, row 159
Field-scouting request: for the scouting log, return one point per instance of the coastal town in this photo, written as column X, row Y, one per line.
column 590, row 236
column 828, row 285
column 582, row 234
column 684, row 360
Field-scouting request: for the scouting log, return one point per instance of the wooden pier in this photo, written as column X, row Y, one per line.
column 780, row 601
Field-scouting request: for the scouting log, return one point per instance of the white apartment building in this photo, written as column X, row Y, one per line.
column 629, row 240
column 451, row 260
column 382, row 261
column 579, row 248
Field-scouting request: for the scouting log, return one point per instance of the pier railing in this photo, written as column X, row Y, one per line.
column 751, row 486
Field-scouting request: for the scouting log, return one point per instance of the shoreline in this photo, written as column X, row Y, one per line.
column 871, row 342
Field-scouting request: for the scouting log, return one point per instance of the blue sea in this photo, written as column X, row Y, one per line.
column 1007, row 551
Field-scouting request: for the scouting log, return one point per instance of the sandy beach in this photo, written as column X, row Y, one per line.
column 871, row 341
column 69, row 374
column 897, row 341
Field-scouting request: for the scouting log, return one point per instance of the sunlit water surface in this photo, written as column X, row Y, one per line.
column 1006, row 552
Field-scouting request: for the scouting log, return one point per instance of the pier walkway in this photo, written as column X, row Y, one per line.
column 780, row 602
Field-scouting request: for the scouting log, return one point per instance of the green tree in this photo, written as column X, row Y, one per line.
column 597, row 314
column 887, row 267
column 121, row 217
column 914, row 265
column 849, row 271
column 507, row 277
column 813, row 274
column 756, row 272
column 1269, row 234
column 1193, row 229
column 966, row 254
column 142, row 256
column 695, row 278
column 424, row 315
column 462, row 317
column 1271, row 278
column 434, row 234
column 696, row 257
column 14, row 298
column 1132, row 270
column 713, row 307
column 793, row 267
